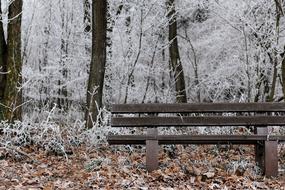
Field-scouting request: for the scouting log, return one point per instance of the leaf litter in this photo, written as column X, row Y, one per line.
column 123, row 167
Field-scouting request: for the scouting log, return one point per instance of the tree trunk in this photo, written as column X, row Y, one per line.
column 87, row 26
column 175, row 61
column 283, row 72
column 3, row 65
column 44, row 89
column 270, row 97
column 98, row 61
column 274, row 56
column 13, row 93
column 62, row 100
column 87, row 16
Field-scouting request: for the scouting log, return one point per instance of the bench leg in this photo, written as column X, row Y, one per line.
column 259, row 154
column 271, row 159
column 259, row 148
column 151, row 155
column 152, row 150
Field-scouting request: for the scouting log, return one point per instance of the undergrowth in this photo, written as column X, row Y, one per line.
column 51, row 135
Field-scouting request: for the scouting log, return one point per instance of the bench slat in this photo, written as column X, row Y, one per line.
column 198, row 121
column 198, row 107
column 192, row 139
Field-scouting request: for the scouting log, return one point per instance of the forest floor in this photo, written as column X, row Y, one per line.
column 104, row 167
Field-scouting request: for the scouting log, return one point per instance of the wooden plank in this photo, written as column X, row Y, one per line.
column 271, row 159
column 152, row 150
column 192, row 139
column 198, row 107
column 198, row 121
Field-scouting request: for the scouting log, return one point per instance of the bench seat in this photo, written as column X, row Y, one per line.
column 192, row 139
column 152, row 121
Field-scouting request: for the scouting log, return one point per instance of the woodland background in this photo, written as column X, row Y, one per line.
column 222, row 51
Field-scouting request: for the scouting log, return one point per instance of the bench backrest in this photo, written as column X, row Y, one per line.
column 146, row 119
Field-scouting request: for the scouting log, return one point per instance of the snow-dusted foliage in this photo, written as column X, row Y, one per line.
column 228, row 49
column 55, row 59
column 52, row 135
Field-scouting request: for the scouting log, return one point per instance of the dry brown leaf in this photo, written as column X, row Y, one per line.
column 196, row 171
column 49, row 186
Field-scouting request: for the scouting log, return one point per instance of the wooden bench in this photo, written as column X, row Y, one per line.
column 152, row 116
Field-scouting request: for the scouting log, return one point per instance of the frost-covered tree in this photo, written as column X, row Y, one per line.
column 12, row 99
column 54, row 56
column 175, row 60
column 98, row 61
column 3, row 64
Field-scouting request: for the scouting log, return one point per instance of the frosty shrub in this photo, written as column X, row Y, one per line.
column 53, row 136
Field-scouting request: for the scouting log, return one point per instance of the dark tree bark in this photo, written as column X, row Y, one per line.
column 175, row 61
column 273, row 57
column 98, row 61
column 87, row 25
column 283, row 72
column 13, row 93
column 3, row 65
